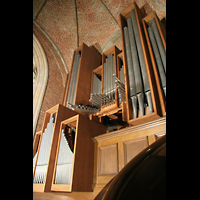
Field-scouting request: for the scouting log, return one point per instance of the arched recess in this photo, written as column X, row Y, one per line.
column 41, row 79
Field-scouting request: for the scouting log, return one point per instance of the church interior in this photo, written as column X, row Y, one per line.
column 99, row 99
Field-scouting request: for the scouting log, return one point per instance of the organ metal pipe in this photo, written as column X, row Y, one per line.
column 94, row 90
column 130, row 73
column 105, row 76
column 159, row 42
column 158, row 59
column 136, row 68
column 113, row 79
column 121, row 74
column 43, row 156
column 76, row 76
column 106, row 99
column 118, row 81
column 72, row 78
column 149, row 100
column 99, row 85
column 87, row 110
column 95, row 99
column 141, row 59
column 101, row 98
column 64, row 162
column 109, row 73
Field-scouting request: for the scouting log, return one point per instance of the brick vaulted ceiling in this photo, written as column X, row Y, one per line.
column 95, row 22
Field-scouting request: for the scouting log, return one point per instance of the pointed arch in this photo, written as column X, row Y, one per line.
column 41, row 79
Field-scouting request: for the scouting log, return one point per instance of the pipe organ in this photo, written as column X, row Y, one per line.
column 155, row 35
column 74, row 76
column 75, row 151
column 138, row 80
column 65, row 158
column 142, row 89
column 85, row 59
column 43, row 156
column 102, row 93
column 108, row 96
column 159, row 52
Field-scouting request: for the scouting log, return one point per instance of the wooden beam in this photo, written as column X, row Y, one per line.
column 113, row 116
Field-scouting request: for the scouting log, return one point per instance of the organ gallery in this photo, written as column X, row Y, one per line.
column 113, row 107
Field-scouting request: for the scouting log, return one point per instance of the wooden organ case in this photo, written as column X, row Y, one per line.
column 99, row 99
column 81, row 162
column 47, row 162
column 107, row 98
column 134, row 15
column 44, row 157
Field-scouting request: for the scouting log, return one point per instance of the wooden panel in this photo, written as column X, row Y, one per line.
column 140, row 135
column 36, row 142
column 133, row 147
column 61, row 187
column 63, row 196
column 84, row 155
column 64, row 99
column 108, row 160
column 90, row 59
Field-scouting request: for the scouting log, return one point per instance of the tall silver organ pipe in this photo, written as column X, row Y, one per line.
column 142, row 61
column 44, row 151
column 74, row 76
column 159, row 42
column 121, row 73
column 136, row 68
column 120, row 84
column 120, row 88
column 64, row 162
column 109, row 81
column 96, row 84
column 130, row 73
column 137, row 72
column 158, row 59
column 96, row 98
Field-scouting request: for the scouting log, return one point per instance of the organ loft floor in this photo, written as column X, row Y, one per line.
column 63, row 196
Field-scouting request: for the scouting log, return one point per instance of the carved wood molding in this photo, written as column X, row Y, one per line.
column 129, row 130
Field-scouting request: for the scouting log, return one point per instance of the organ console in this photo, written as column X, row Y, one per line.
column 103, row 93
